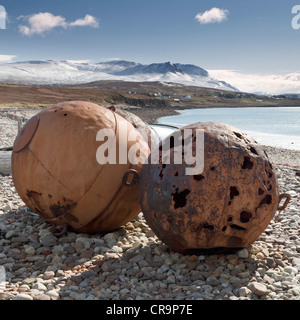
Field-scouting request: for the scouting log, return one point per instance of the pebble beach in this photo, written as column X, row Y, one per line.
column 131, row 263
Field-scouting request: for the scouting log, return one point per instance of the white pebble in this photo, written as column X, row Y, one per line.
column 290, row 269
column 23, row 296
column 29, row 250
column 258, row 288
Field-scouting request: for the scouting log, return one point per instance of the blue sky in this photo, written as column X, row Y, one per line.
column 255, row 36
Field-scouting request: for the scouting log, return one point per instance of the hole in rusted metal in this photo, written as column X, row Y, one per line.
column 237, row 227
column 238, row 135
column 161, row 174
column 253, row 150
column 212, row 168
column 176, row 174
column 198, row 177
column 224, row 228
column 265, row 154
column 270, row 175
column 266, row 200
column 270, row 164
column 171, row 142
column 234, row 192
column 180, row 198
column 248, row 164
column 260, row 191
column 65, row 114
column 208, row 227
column 245, row 216
column 229, row 219
column 270, row 187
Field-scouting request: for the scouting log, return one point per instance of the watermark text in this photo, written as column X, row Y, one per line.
column 2, row 278
column 296, row 18
column 181, row 147
column 2, row 17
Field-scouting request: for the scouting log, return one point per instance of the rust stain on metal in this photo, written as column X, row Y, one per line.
column 34, row 201
column 33, row 195
column 59, row 209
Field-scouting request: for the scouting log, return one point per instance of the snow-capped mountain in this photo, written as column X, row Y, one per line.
column 154, row 68
column 51, row 72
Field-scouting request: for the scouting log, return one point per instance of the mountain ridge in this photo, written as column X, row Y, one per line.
column 67, row 72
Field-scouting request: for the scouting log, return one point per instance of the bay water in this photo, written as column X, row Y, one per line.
column 273, row 126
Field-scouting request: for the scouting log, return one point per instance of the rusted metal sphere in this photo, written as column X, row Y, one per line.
column 56, row 172
column 228, row 205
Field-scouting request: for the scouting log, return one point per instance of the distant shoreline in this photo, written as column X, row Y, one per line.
column 152, row 114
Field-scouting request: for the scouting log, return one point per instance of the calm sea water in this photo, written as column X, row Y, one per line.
column 270, row 126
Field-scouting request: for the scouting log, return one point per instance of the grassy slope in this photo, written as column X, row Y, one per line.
column 117, row 92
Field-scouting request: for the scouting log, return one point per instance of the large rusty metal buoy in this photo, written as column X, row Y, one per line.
column 226, row 206
column 56, row 172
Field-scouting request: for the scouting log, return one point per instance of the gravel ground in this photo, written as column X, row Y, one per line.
column 133, row 264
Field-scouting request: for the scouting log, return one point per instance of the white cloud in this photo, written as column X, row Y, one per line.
column 213, row 15
column 6, row 58
column 259, row 83
column 41, row 22
column 44, row 21
column 87, row 21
